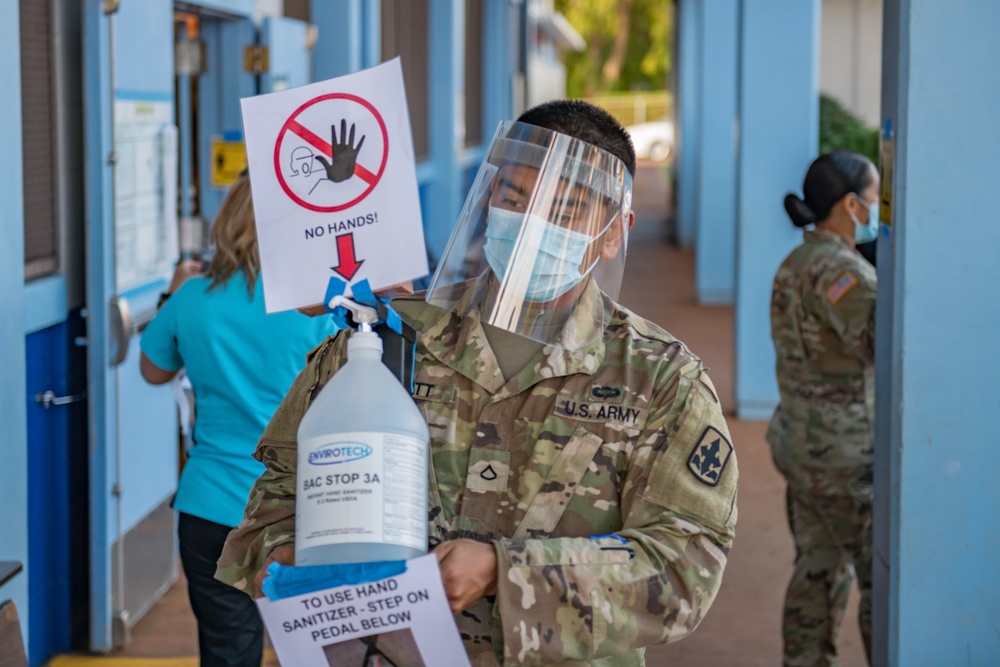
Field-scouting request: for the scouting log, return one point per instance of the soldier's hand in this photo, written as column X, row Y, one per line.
column 284, row 555
column 468, row 571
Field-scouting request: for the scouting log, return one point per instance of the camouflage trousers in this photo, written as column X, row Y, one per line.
column 830, row 515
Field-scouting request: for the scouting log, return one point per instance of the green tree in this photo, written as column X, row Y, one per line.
column 840, row 129
column 628, row 45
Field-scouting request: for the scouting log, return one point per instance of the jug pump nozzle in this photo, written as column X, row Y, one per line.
column 365, row 316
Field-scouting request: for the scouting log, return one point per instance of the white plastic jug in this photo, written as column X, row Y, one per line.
column 361, row 491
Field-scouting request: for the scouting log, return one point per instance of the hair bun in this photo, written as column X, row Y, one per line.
column 799, row 211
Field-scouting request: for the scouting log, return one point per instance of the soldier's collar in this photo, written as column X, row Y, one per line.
column 460, row 342
column 818, row 235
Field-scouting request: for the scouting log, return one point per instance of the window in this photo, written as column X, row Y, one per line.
column 41, row 255
column 404, row 34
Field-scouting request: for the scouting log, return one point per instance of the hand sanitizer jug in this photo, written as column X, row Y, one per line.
column 361, row 490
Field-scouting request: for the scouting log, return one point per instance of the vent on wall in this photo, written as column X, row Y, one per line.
column 41, row 256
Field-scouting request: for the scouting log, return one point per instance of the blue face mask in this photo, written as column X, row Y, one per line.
column 557, row 259
column 867, row 232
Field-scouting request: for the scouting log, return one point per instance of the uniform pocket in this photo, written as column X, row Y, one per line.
column 559, row 485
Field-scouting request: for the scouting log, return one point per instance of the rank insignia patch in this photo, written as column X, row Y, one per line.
column 709, row 457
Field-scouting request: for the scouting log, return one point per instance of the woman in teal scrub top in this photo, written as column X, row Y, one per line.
column 240, row 362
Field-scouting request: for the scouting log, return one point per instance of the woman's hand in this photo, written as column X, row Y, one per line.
column 468, row 571
column 284, row 555
column 187, row 268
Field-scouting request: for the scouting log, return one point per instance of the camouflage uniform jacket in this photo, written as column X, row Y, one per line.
column 623, row 436
column 823, row 327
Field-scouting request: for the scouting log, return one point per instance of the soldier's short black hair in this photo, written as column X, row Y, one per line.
column 586, row 122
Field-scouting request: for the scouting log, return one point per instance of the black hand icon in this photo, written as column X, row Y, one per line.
column 344, row 154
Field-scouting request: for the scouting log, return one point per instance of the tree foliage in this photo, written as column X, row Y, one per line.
column 840, row 129
column 628, row 45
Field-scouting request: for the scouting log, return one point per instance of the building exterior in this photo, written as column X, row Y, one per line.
column 121, row 119
column 749, row 75
column 850, row 58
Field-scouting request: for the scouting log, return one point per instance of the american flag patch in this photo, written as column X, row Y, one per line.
column 843, row 285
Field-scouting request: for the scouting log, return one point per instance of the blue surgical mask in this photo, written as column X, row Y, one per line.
column 865, row 233
column 558, row 258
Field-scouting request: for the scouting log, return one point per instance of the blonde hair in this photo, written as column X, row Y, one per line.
column 235, row 238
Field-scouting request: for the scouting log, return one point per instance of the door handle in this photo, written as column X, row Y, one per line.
column 48, row 398
column 119, row 329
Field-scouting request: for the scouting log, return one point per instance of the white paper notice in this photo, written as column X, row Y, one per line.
column 400, row 621
column 334, row 186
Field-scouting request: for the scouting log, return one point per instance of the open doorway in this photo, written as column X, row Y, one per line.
column 619, row 56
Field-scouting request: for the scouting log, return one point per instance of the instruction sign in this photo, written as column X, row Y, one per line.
column 399, row 620
column 228, row 159
column 334, row 186
column 887, row 174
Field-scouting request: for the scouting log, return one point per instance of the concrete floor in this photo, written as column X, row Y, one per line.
column 744, row 626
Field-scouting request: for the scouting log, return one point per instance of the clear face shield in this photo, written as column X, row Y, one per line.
column 541, row 237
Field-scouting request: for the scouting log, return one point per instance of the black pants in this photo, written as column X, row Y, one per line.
column 230, row 632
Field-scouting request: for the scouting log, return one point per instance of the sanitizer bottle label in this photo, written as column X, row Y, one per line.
column 361, row 487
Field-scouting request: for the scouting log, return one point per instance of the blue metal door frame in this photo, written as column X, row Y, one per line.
column 13, row 449
column 102, row 387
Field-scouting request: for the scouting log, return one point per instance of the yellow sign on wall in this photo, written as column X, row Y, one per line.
column 887, row 176
column 228, row 160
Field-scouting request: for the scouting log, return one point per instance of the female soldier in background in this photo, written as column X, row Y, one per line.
column 240, row 362
column 823, row 326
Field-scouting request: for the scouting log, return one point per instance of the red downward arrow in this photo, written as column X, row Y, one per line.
column 345, row 254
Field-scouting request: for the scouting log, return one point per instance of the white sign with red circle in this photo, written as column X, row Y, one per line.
column 334, row 186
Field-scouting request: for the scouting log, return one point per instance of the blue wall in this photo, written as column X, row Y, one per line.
column 715, row 229
column 235, row 7
column 338, row 48
column 13, row 448
column 938, row 370
column 144, row 33
column 446, row 124
column 688, row 130
column 779, row 126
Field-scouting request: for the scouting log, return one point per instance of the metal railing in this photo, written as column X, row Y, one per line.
column 634, row 108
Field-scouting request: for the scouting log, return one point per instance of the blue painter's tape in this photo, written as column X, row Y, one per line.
column 361, row 292
column 285, row 581
column 335, row 287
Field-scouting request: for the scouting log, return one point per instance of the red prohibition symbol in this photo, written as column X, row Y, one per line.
column 336, row 161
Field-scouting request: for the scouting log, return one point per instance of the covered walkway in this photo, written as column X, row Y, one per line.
column 743, row 628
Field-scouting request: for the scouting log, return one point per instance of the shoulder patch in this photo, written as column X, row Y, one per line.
column 709, row 457
column 844, row 284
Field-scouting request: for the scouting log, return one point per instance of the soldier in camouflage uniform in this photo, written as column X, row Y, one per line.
column 822, row 324
column 582, row 491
